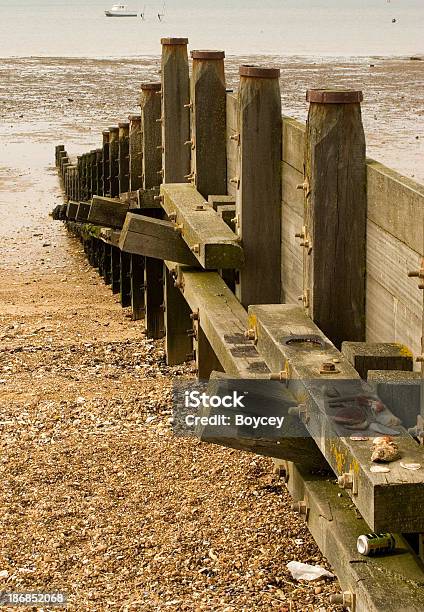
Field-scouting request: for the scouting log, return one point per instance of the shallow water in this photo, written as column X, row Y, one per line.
column 283, row 27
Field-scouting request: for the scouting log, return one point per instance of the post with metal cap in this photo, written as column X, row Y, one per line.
column 136, row 158
column 208, row 121
column 152, row 177
column 258, row 195
column 114, row 161
column 106, row 164
column 175, row 110
column 334, row 244
column 151, row 135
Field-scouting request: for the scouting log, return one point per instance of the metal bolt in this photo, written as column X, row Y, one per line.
column 195, row 248
column 346, row 599
column 327, row 366
column 158, row 198
column 194, row 315
column 189, row 105
column 172, row 217
column 179, row 228
column 345, row 481
column 161, row 172
column 200, row 207
column 416, row 274
column 159, row 120
column 299, row 235
column 160, row 147
column 250, row 334
column 300, row 507
column 305, row 244
column 420, row 359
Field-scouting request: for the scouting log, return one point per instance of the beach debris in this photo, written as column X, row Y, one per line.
column 373, row 544
column 379, row 469
column 4, row 574
column 411, row 466
column 385, row 450
column 304, row 571
column 359, row 438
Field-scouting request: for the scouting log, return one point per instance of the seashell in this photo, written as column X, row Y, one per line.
column 411, row 466
column 359, row 438
column 386, row 452
column 382, row 440
column 379, row 469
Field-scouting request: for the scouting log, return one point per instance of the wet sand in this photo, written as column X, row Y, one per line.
column 98, row 498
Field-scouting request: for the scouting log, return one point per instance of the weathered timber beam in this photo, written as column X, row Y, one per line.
column 83, row 212
column 262, row 398
column 366, row 356
column 107, row 212
column 154, row 238
column 318, row 375
column 390, row 583
column 71, row 210
column 400, row 391
column 146, row 198
column 210, row 239
column 216, row 201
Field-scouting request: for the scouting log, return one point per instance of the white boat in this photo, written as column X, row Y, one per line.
column 120, row 10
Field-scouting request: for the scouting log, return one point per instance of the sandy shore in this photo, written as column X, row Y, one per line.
column 99, row 499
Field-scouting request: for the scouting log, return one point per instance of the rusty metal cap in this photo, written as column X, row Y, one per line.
column 123, row 125
column 207, row 55
column 113, row 129
column 259, row 72
column 152, row 86
column 134, row 118
column 334, row 96
column 174, row 41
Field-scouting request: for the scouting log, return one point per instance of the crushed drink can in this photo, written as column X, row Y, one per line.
column 372, row 544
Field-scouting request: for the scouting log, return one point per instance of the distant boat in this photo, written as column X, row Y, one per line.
column 120, row 10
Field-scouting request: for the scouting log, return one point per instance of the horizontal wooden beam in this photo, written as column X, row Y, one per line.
column 83, row 212
column 263, row 398
column 320, row 377
column 142, row 235
column 147, row 198
column 216, row 201
column 210, row 239
column 389, row 583
column 107, row 212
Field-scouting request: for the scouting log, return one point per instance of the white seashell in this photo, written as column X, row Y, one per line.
column 411, row 466
column 379, row 469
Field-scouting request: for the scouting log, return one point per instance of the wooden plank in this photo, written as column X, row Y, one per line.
column 115, row 262
column 389, row 583
column 178, row 342
column 154, row 238
column 232, row 110
column 400, row 391
column 390, row 321
column 258, row 197
column 153, row 283
column 208, row 122
column 291, row 195
column 223, row 320
column 388, row 262
column 391, row 501
column 366, row 356
column 146, row 198
column 211, row 240
column 294, row 137
column 107, row 212
column 216, row 201
column 72, row 210
column 262, row 398
column 106, row 164
column 175, row 110
column 396, row 204
column 291, row 256
column 83, row 211
column 335, row 220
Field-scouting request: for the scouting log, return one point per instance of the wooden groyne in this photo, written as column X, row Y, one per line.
column 265, row 249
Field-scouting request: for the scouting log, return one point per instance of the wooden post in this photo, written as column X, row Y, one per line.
column 78, row 192
column 114, row 161
column 334, row 239
column 125, row 280
column 99, row 172
column 175, row 110
column 153, row 282
column 91, row 172
column 152, row 177
column 107, row 263
column 58, row 149
column 208, row 99
column 124, row 152
column 136, row 158
column 178, row 324
column 83, row 178
column 206, row 360
column 115, row 265
column 258, row 196
column 137, row 286
column 151, row 134
column 106, row 164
